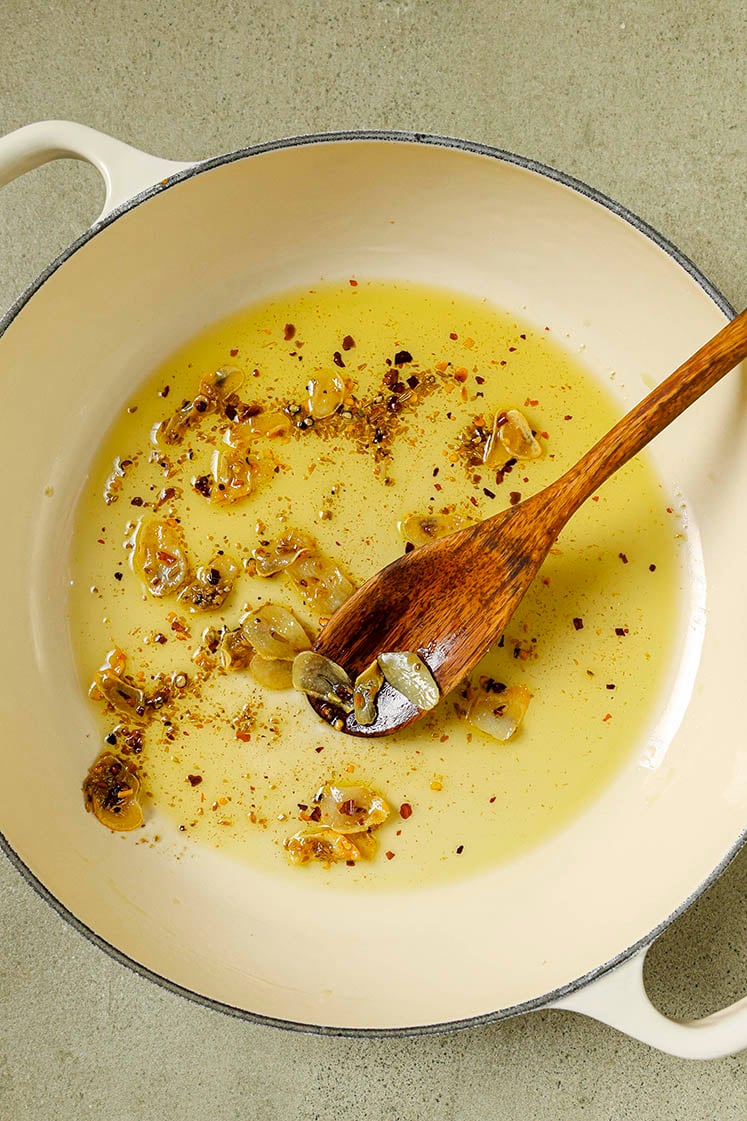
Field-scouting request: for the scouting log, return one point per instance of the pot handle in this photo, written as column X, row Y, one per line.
column 619, row 998
column 125, row 170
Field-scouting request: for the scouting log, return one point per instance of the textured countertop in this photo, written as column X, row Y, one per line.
column 645, row 101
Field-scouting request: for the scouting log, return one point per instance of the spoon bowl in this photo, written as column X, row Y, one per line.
column 451, row 599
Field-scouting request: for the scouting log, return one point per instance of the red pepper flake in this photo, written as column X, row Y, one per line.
column 194, row 780
column 567, row 417
column 453, row 336
column 623, row 558
column 435, row 471
column 320, row 748
column 409, row 546
column 118, row 575
column 460, row 850
column 202, row 485
column 514, row 497
column 460, row 374
column 491, row 800
column 621, row 631
column 578, row 624
column 159, row 638
column 389, row 855
column 402, row 357
column 479, row 380
column 488, row 493
column 522, row 337
column 652, row 568
column 348, row 342
column 607, row 717
column 337, row 359
column 234, row 352
column 165, row 391
column 289, row 332
column 353, row 283
column 609, row 685
column 405, row 811
column 511, row 349
column 136, row 501
column 473, row 500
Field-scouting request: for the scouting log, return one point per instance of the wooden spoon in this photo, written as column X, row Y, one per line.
column 451, row 599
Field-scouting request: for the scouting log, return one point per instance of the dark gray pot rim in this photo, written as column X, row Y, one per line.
column 474, row 148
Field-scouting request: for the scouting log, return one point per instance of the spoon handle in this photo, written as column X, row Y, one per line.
column 688, row 382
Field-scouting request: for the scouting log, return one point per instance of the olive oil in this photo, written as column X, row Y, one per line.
column 592, row 640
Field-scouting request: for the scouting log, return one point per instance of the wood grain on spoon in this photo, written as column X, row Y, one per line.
column 451, row 599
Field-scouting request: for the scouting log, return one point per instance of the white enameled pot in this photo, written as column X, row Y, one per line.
column 565, row 925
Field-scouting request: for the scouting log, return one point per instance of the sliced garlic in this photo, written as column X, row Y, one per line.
column 275, row 556
column 498, row 710
column 272, row 673
column 159, row 556
column 234, row 470
column 272, row 425
column 511, row 433
column 324, row 845
column 321, row 582
column 218, row 384
column 419, row 529
column 409, row 675
column 212, row 584
column 110, row 792
column 326, row 391
column 350, row 809
column 275, row 632
column 319, row 677
column 235, row 650
column 365, row 691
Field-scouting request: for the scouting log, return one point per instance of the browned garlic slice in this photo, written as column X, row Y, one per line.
column 217, row 385
column 272, row 557
column 319, row 677
column 324, row 845
column 275, row 632
column 409, row 675
column 498, row 710
column 212, row 584
column 272, row 673
column 419, row 529
column 326, row 392
column 110, row 792
column 118, row 690
column 350, row 809
column 321, row 582
column 365, row 691
column 159, row 556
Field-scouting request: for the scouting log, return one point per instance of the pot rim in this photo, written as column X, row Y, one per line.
column 473, row 148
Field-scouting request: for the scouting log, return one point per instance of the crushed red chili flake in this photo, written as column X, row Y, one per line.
column 194, row 780
column 118, row 575
column 353, row 283
column 453, row 335
column 409, row 546
column 402, row 357
column 578, row 624
column 623, row 558
column 159, row 638
column 567, row 417
column 405, row 811
column 514, row 497
column 621, row 631
column 479, row 380
column 488, row 493
column 337, row 359
column 460, row 850
column 460, row 375
column 652, row 568
column 136, row 501
column 491, row 800
column 234, row 352
column 609, row 685
column 348, row 342
column 203, row 485
column 289, row 332
column 320, row 748
column 607, row 717
column 389, row 855
column 165, row 391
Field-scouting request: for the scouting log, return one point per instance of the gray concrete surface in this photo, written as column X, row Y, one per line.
column 646, row 101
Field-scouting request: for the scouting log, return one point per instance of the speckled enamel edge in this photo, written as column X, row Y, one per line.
column 547, row 999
